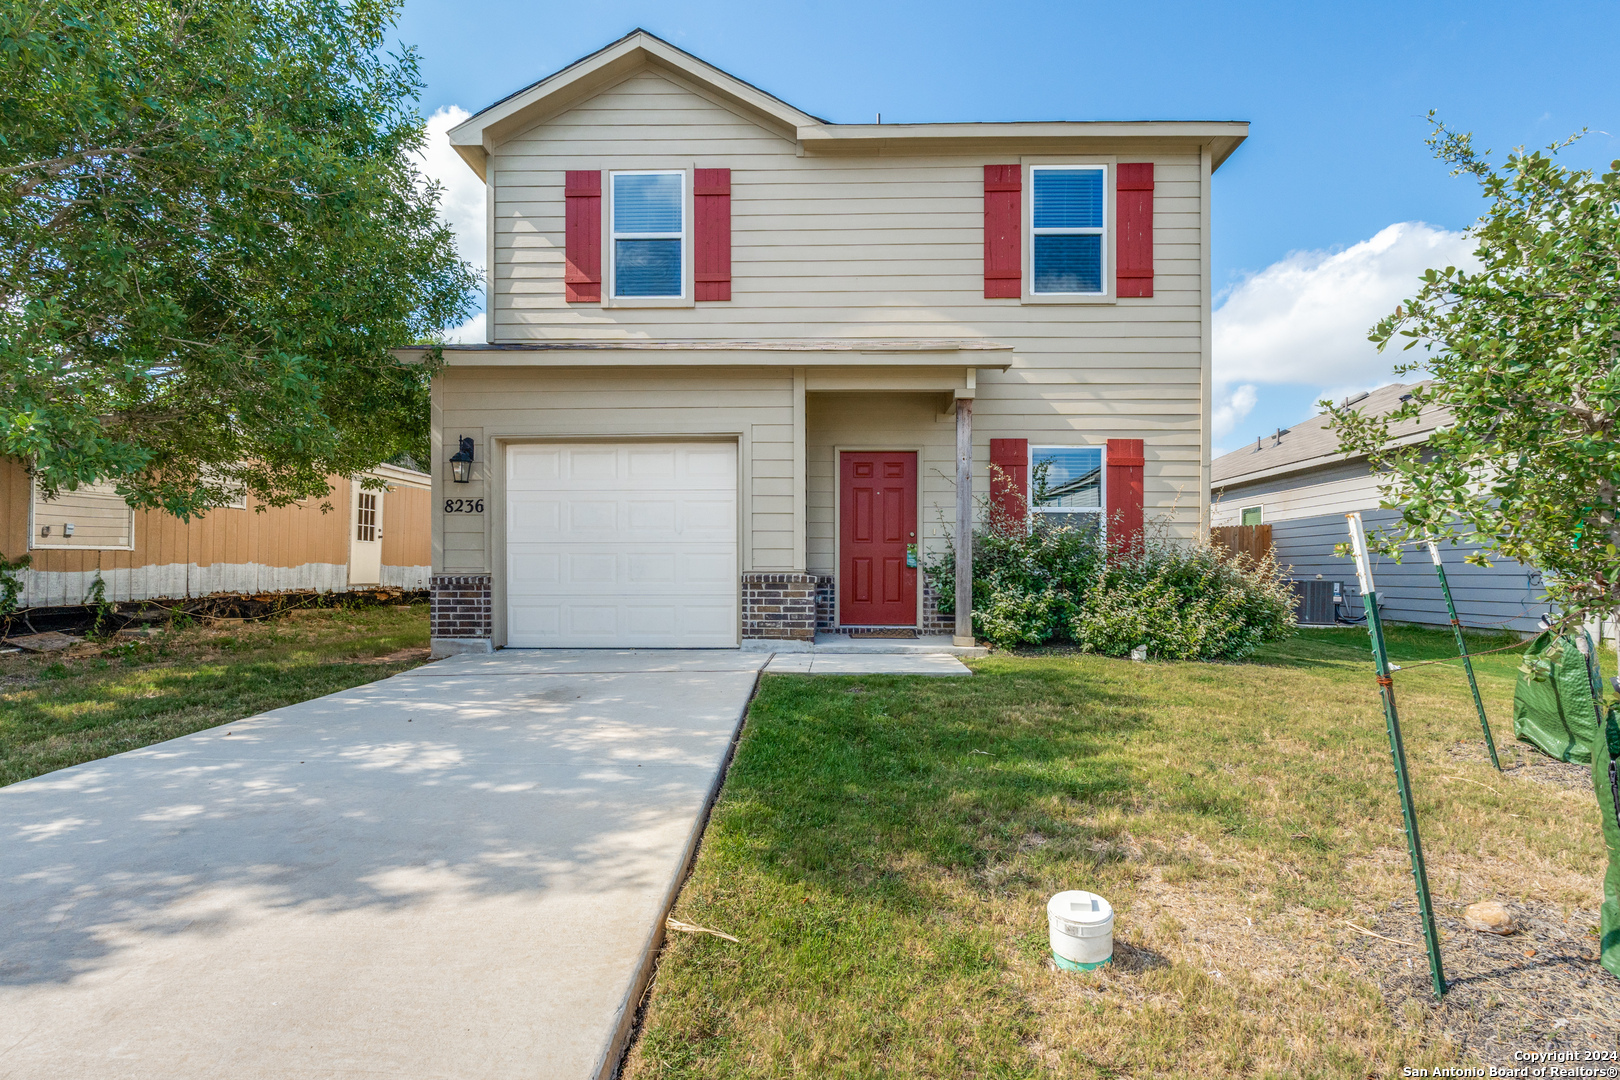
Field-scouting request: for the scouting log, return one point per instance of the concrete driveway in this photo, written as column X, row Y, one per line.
column 455, row 872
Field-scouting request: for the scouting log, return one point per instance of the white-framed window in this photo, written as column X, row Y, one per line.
column 1067, row 480
column 1068, row 226
column 365, row 517
column 1252, row 515
column 648, row 243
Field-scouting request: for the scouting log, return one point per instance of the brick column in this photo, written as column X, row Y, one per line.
column 462, row 616
column 779, row 606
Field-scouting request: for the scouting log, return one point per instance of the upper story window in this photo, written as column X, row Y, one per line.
column 1067, row 225
column 649, row 233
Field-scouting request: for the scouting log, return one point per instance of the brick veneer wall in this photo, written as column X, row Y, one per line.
column 460, row 606
column 826, row 603
column 934, row 621
column 779, row 606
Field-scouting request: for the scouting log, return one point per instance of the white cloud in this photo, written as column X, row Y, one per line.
column 461, row 192
column 1232, row 404
column 470, row 332
column 1303, row 320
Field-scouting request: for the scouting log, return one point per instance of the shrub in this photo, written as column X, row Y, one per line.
column 1184, row 601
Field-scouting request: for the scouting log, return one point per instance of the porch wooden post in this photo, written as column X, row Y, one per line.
column 964, row 522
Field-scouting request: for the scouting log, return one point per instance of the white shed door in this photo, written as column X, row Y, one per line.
column 621, row 545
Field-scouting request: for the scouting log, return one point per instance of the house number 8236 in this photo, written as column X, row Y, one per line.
column 464, row 506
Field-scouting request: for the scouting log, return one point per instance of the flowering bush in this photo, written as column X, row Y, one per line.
column 1183, row 601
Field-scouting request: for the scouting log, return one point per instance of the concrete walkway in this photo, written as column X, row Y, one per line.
column 857, row 663
column 456, row 872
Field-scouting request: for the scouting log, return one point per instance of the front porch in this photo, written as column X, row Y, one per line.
column 888, row 488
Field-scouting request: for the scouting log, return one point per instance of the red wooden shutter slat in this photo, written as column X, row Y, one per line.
column 1124, row 462
column 711, row 252
column 1133, row 220
column 1009, row 483
column 582, row 271
column 1003, row 224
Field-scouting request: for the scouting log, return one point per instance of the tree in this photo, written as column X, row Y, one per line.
column 1522, row 355
column 212, row 233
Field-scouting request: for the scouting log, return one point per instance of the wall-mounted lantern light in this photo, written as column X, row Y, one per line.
column 461, row 461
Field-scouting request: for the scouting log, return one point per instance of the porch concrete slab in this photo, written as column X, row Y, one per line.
column 421, row 877
column 925, row 644
column 818, row 663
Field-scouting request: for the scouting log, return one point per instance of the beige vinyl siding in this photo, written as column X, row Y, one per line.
column 877, row 244
column 754, row 406
column 101, row 519
column 905, row 422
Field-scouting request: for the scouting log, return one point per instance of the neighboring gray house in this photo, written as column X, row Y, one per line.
column 1299, row 483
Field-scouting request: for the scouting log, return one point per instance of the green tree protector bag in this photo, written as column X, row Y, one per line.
column 1606, row 778
column 1553, row 707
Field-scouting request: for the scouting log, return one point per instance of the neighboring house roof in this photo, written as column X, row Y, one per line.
column 401, row 473
column 1311, row 444
column 475, row 137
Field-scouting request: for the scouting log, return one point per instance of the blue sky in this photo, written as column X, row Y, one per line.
column 1305, row 256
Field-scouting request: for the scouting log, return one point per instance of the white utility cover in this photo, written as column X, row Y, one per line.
column 616, row 545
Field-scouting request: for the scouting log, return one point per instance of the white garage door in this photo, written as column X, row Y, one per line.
column 621, row 544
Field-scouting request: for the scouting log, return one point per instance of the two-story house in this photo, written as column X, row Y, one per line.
column 747, row 368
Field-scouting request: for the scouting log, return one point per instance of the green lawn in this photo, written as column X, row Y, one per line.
column 884, row 846
column 61, row 709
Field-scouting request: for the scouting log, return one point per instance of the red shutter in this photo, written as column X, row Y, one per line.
column 1125, row 494
column 1009, row 483
column 582, row 276
column 1003, row 224
column 711, row 253
column 1133, row 220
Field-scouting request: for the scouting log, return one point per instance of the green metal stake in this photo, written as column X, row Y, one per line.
column 1397, row 750
column 1462, row 651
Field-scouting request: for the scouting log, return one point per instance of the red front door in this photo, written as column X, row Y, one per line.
column 877, row 513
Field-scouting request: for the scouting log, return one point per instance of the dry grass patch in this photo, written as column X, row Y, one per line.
column 884, row 848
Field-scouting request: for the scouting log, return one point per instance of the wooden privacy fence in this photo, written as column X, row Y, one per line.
column 1251, row 540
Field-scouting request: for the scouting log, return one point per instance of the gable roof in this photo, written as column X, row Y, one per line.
column 1311, row 444
column 476, row 136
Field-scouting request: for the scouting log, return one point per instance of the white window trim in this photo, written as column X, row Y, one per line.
column 610, row 249
column 1030, row 166
column 1245, row 509
column 1102, row 482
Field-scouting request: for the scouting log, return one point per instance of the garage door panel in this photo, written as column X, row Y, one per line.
column 713, row 516
column 541, row 620
column 535, row 568
column 622, row 545
column 591, row 619
column 533, row 464
column 593, row 465
column 704, row 569
column 712, row 620
column 648, row 463
column 716, row 464
column 654, row 516
column 652, row 569
column 527, row 518
column 600, row 569
column 656, row 619
column 595, row 514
